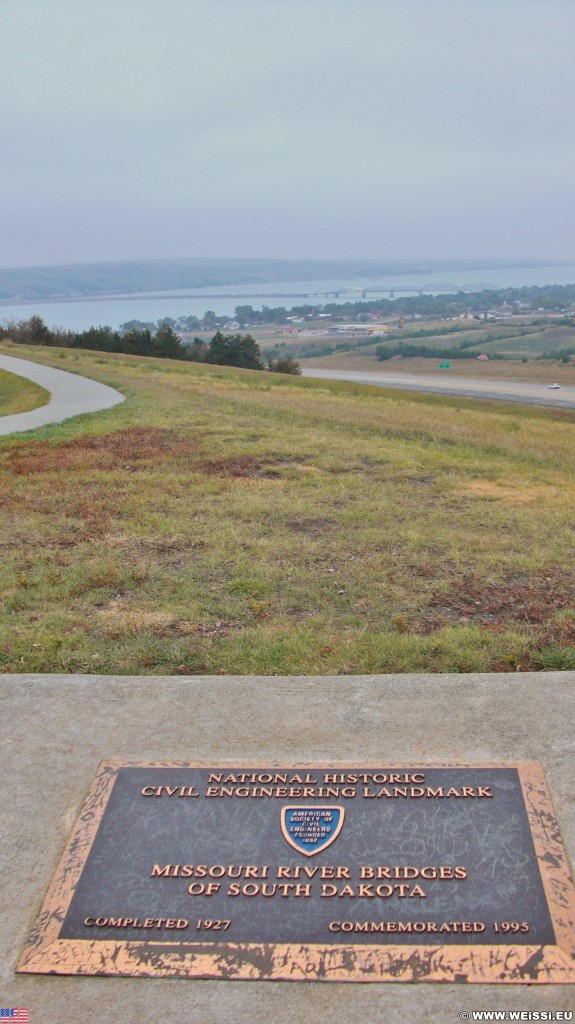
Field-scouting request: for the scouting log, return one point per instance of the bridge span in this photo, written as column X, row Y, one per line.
column 352, row 292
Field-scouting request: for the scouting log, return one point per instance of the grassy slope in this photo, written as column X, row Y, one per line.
column 19, row 395
column 520, row 342
column 229, row 521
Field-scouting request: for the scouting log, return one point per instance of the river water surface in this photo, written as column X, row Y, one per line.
column 78, row 315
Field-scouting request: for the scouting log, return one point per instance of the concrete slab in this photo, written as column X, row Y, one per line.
column 70, row 395
column 56, row 729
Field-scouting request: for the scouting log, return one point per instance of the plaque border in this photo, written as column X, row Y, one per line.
column 46, row 953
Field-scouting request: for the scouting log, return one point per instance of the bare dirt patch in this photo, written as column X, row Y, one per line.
column 234, row 466
column 520, row 600
column 310, row 526
column 127, row 450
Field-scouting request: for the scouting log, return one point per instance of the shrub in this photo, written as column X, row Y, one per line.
column 285, row 364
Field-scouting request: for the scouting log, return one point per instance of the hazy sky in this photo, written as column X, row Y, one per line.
column 286, row 128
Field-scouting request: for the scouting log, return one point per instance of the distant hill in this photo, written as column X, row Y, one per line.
column 90, row 279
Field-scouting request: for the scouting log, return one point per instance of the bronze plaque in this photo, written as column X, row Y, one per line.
column 320, row 873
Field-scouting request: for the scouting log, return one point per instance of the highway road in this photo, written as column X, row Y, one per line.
column 459, row 387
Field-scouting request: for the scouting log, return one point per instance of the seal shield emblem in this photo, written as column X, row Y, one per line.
column 311, row 829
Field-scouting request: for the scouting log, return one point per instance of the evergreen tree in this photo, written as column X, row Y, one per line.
column 166, row 343
column 137, row 342
column 235, row 350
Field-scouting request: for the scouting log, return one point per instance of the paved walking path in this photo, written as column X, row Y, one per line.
column 70, row 395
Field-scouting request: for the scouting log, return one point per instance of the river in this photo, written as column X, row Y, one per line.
column 80, row 314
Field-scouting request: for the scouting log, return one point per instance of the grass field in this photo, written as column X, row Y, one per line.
column 225, row 521
column 528, row 348
column 544, row 371
column 19, row 395
column 516, row 337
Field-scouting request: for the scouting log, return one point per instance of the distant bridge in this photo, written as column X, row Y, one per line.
column 440, row 287
column 357, row 292
column 351, row 292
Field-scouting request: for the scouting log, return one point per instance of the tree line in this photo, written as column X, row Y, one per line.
column 385, row 352
column 545, row 297
column 240, row 350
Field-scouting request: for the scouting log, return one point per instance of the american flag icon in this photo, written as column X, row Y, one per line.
column 14, row 1015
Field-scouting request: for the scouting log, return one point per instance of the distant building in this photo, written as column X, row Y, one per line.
column 499, row 314
column 360, row 329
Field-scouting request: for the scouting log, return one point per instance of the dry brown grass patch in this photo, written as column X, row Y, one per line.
column 120, row 618
column 514, row 495
column 126, row 450
column 120, row 449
